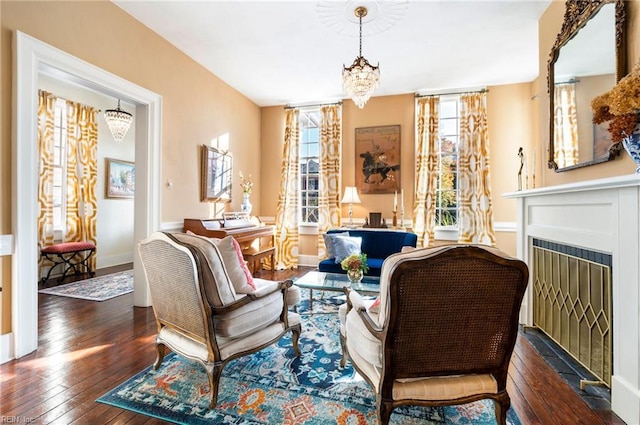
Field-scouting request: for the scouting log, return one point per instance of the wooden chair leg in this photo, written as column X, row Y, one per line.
column 501, row 405
column 160, row 356
column 343, row 345
column 272, row 265
column 295, row 337
column 384, row 411
column 213, row 373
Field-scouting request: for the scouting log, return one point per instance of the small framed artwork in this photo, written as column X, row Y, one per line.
column 121, row 179
column 215, row 179
column 378, row 159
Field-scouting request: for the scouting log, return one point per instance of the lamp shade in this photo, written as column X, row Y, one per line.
column 350, row 195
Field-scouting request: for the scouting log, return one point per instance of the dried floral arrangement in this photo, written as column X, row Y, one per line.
column 620, row 106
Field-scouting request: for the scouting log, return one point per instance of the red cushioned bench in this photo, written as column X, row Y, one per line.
column 74, row 254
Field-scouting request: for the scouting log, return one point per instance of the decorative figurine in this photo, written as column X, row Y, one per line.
column 521, row 155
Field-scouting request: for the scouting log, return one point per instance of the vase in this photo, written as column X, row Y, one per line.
column 631, row 144
column 246, row 206
column 355, row 276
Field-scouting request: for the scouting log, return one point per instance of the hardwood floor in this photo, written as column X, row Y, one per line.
column 86, row 348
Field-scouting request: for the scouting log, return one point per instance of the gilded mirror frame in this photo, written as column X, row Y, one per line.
column 577, row 14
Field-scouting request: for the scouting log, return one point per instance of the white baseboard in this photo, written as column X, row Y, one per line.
column 505, row 226
column 625, row 400
column 308, row 260
column 6, row 347
column 114, row 260
column 172, row 226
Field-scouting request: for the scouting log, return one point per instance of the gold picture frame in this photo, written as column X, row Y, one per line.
column 215, row 178
column 120, row 178
column 378, row 159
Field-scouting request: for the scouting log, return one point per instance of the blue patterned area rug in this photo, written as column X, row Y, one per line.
column 275, row 387
column 96, row 288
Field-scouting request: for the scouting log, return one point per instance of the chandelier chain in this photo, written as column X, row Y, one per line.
column 360, row 16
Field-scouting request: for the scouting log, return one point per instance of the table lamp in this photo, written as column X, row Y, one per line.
column 350, row 197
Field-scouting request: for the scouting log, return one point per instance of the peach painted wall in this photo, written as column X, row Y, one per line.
column 510, row 111
column 548, row 27
column 198, row 107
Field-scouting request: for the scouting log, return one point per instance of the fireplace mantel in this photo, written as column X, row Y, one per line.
column 600, row 215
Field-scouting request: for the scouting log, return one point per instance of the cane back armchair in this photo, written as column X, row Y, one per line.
column 444, row 331
column 198, row 312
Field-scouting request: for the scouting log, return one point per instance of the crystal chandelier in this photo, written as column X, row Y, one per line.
column 118, row 122
column 361, row 78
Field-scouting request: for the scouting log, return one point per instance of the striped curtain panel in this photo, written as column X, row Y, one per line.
column 424, row 204
column 82, row 175
column 287, row 209
column 475, row 223
column 329, row 211
column 46, row 119
column 565, row 125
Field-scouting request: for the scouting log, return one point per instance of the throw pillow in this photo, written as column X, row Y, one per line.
column 344, row 246
column 237, row 269
column 328, row 242
column 214, row 240
column 375, row 307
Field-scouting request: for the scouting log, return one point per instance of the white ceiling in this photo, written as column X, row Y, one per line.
column 283, row 52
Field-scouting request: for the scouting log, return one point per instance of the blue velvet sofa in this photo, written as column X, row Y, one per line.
column 378, row 244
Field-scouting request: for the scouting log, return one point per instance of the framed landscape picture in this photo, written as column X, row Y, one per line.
column 215, row 179
column 121, row 179
column 378, row 159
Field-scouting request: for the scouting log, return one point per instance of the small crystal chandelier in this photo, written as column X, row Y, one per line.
column 361, row 78
column 118, row 122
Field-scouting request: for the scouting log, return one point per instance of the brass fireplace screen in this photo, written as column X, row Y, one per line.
column 572, row 303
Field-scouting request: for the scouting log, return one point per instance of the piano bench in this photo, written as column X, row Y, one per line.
column 254, row 258
column 74, row 256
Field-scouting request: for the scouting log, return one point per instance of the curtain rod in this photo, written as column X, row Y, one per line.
column 569, row 81
column 448, row 94
column 312, row 105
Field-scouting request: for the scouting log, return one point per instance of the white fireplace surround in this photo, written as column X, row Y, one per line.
column 600, row 215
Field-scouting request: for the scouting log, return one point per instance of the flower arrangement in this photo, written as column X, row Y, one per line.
column 355, row 262
column 246, row 184
column 620, row 106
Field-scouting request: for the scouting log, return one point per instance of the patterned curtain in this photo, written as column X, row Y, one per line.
column 426, row 169
column 565, row 125
column 475, row 223
column 329, row 211
column 287, row 209
column 82, row 175
column 46, row 119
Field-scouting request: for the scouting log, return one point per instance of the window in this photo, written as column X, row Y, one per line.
column 447, row 183
column 309, row 165
column 59, row 168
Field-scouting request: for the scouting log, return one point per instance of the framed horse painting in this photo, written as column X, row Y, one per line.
column 378, row 159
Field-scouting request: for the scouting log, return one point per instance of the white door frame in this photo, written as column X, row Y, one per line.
column 30, row 58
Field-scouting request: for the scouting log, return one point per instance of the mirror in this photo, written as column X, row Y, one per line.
column 215, row 179
column 587, row 59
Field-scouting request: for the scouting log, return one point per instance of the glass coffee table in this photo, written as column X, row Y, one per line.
column 335, row 282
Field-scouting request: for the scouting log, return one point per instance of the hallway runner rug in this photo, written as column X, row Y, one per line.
column 274, row 387
column 96, row 288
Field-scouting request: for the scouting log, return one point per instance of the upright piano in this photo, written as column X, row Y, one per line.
column 255, row 239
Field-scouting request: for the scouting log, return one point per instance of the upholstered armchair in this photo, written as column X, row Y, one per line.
column 201, row 314
column 442, row 331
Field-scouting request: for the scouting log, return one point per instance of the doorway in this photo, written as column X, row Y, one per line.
column 31, row 58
